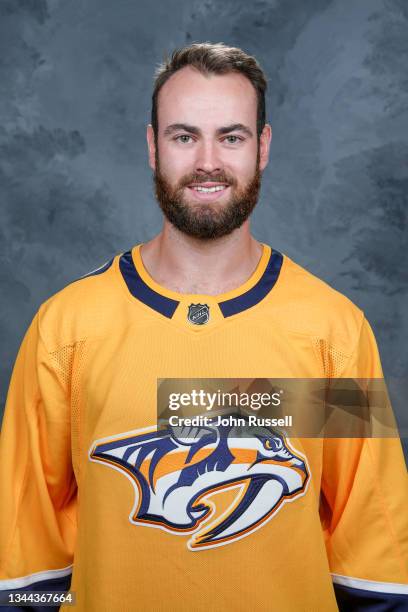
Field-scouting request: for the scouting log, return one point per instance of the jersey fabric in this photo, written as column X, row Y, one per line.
column 83, row 469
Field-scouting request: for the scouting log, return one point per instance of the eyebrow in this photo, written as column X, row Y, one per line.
column 192, row 129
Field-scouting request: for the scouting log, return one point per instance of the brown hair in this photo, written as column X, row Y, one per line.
column 214, row 58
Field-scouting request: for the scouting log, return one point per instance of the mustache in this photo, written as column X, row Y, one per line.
column 203, row 178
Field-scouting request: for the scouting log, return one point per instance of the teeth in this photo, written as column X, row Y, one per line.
column 210, row 189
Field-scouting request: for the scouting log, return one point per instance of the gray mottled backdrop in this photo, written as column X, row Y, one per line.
column 75, row 185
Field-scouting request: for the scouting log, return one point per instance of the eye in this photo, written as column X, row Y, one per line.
column 183, row 138
column 232, row 139
column 274, row 444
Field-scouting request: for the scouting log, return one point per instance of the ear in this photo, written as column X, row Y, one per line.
column 151, row 145
column 264, row 146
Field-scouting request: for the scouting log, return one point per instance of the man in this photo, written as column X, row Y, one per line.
column 191, row 519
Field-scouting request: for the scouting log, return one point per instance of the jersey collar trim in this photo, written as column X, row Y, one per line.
column 258, row 291
column 141, row 290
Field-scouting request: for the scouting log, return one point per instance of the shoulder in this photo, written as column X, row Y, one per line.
column 310, row 306
column 79, row 309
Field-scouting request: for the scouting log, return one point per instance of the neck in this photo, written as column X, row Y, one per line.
column 187, row 265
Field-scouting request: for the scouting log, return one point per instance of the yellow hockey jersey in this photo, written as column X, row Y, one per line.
column 94, row 498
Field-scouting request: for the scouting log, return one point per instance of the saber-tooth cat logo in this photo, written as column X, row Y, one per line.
column 210, row 483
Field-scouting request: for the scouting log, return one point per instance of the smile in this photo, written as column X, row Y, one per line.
column 209, row 189
column 208, row 192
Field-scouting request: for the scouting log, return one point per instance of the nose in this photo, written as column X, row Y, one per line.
column 207, row 159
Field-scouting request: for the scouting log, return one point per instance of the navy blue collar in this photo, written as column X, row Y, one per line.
column 167, row 306
column 140, row 290
column 258, row 291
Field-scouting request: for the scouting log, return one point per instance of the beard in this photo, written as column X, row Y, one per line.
column 202, row 220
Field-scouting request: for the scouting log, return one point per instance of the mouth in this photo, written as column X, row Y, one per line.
column 208, row 192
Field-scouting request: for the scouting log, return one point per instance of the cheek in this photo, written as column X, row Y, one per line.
column 242, row 163
column 242, row 169
column 175, row 164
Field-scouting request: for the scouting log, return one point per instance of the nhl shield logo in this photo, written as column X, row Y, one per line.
column 199, row 314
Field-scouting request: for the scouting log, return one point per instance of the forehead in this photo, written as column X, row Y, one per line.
column 206, row 100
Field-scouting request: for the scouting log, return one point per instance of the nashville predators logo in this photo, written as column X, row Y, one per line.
column 212, row 483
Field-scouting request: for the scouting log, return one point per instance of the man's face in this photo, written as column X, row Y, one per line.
column 207, row 161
